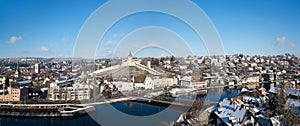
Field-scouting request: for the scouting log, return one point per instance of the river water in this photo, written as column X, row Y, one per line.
column 122, row 114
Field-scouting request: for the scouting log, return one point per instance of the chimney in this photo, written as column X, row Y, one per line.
column 220, row 110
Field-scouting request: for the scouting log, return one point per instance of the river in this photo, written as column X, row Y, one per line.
column 122, row 113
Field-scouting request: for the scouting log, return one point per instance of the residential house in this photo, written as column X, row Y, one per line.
column 143, row 82
column 75, row 92
column 234, row 113
column 124, row 86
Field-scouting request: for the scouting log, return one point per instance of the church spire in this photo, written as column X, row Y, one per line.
column 17, row 68
column 130, row 55
column 17, row 72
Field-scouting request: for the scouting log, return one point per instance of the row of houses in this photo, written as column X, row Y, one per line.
column 150, row 83
column 144, row 82
column 246, row 109
column 258, row 107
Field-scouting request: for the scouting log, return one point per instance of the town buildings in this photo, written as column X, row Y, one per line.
column 75, row 92
column 67, row 80
column 14, row 94
column 246, row 109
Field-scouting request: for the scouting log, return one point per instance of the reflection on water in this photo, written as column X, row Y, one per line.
column 137, row 109
column 105, row 115
column 230, row 92
column 218, row 94
column 134, row 114
column 13, row 121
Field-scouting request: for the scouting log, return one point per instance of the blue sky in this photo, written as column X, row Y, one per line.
column 49, row 28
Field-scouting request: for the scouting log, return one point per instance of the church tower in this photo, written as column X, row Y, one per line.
column 37, row 68
column 17, row 73
column 130, row 63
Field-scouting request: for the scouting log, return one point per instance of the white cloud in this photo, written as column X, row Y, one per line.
column 107, row 52
column 45, row 49
column 14, row 39
column 110, row 42
column 115, row 35
column 152, row 44
column 280, row 41
column 292, row 45
column 61, row 55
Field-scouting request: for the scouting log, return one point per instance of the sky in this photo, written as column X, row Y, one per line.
column 50, row 28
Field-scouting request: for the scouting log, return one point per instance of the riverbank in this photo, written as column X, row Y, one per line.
column 71, row 110
column 44, row 110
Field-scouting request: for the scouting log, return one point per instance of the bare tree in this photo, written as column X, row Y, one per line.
column 60, row 92
column 66, row 90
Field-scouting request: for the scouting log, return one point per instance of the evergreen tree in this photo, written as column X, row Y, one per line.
column 172, row 58
column 281, row 100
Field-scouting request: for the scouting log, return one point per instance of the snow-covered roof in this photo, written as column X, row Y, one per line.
column 273, row 90
column 293, row 102
column 24, row 82
column 293, row 92
column 186, row 78
column 228, row 113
